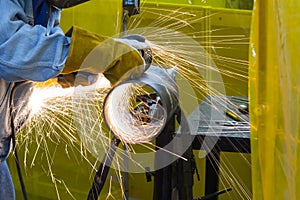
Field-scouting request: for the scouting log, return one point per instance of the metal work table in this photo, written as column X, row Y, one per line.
column 218, row 132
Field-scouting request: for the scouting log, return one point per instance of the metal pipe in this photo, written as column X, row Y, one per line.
column 119, row 115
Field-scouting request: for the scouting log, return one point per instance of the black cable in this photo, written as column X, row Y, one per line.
column 102, row 172
column 13, row 135
column 19, row 167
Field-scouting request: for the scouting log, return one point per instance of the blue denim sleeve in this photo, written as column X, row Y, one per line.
column 7, row 188
column 29, row 52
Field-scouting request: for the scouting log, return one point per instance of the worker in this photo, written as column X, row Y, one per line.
column 34, row 48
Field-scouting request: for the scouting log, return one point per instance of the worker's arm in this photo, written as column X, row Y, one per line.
column 26, row 52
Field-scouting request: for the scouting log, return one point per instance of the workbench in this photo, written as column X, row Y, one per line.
column 217, row 132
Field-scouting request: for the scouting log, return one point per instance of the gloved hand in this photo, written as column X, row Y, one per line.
column 139, row 43
column 94, row 53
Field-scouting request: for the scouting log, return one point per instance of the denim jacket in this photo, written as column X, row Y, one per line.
column 27, row 53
